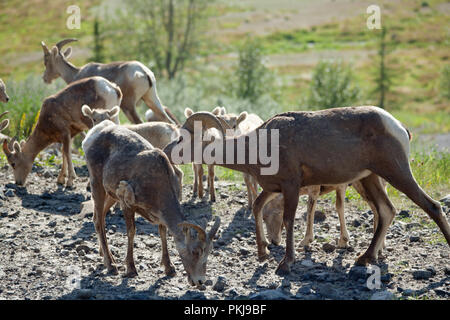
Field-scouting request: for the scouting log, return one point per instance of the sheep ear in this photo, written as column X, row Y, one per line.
column 67, row 53
column 114, row 111
column 4, row 124
column 188, row 112
column 22, row 143
column 242, row 117
column 217, row 111
column 86, row 110
column 16, row 147
column 55, row 51
column 223, row 111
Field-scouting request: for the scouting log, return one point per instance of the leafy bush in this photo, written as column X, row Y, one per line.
column 252, row 76
column 332, row 85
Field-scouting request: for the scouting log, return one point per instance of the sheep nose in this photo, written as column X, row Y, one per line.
column 7, row 99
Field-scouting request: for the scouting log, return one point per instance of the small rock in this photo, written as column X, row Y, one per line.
column 412, row 225
column 305, row 290
column 422, row 274
column 358, row 272
column 51, row 224
column 84, row 294
column 244, row 251
column 382, row 295
column 414, row 238
column 319, row 216
column 447, row 270
column 404, row 214
column 328, row 247
column 59, row 234
column 10, row 193
column 220, row 284
column 269, row 295
column 356, row 223
column 307, row 263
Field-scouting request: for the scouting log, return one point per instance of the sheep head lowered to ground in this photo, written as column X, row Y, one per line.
column 125, row 168
column 134, row 79
column 3, row 95
column 326, row 147
column 60, row 119
column 158, row 133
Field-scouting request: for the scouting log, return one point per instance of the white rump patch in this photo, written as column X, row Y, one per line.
column 395, row 128
column 108, row 92
column 93, row 133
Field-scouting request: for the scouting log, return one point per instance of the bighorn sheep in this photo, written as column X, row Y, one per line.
column 134, row 79
column 60, row 119
column 158, row 133
column 326, row 147
column 273, row 213
column 3, row 95
column 125, row 168
column 229, row 121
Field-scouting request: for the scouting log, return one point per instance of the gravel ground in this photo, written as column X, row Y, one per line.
column 49, row 250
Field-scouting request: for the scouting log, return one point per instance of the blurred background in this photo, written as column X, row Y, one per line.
column 261, row 56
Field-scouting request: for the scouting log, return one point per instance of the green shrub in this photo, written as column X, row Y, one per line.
column 332, row 85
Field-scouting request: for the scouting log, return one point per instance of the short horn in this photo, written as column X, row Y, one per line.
column 62, row 43
column 200, row 231
column 6, row 148
column 45, row 48
column 214, row 229
column 207, row 119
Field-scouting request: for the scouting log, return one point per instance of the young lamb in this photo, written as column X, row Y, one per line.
column 125, row 168
column 159, row 134
column 229, row 121
column 3, row 95
column 60, row 119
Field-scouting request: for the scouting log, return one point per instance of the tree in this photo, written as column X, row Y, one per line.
column 332, row 86
column 383, row 75
column 98, row 44
column 166, row 32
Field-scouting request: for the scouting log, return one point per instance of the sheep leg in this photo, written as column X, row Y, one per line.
column 63, row 172
column 212, row 191
column 109, row 202
column 99, row 195
column 251, row 189
column 290, row 194
column 377, row 194
column 199, row 176
column 340, row 197
column 169, row 268
column 261, row 240
column 67, row 151
column 131, row 231
column 128, row 107
column 311, row 209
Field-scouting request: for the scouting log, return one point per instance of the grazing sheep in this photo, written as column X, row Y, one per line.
column 125, row 168
column 159, row 134
column 326, row 147
column 134, row 79
column 60, row 119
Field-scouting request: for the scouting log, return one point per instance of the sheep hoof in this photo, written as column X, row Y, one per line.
column 365, row 260
column 131, row 273
column 283, row 268
column 170, row 271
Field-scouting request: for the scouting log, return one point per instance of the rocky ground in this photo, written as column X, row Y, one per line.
column 49, row 250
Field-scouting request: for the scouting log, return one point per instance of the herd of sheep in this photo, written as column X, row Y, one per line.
column 132, row 165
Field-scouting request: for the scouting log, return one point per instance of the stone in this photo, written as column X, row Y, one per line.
column 356, row 223
column 10, row 193
column 382, row 295
column 220, row 284
column 84, row 294
column 446, row 200
column 51, row 224
column 319, row 216
column 328, row 247
column 422, row 274
column 269, row 295
column 307, row 263
column 404, row 214
column 414, row 238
